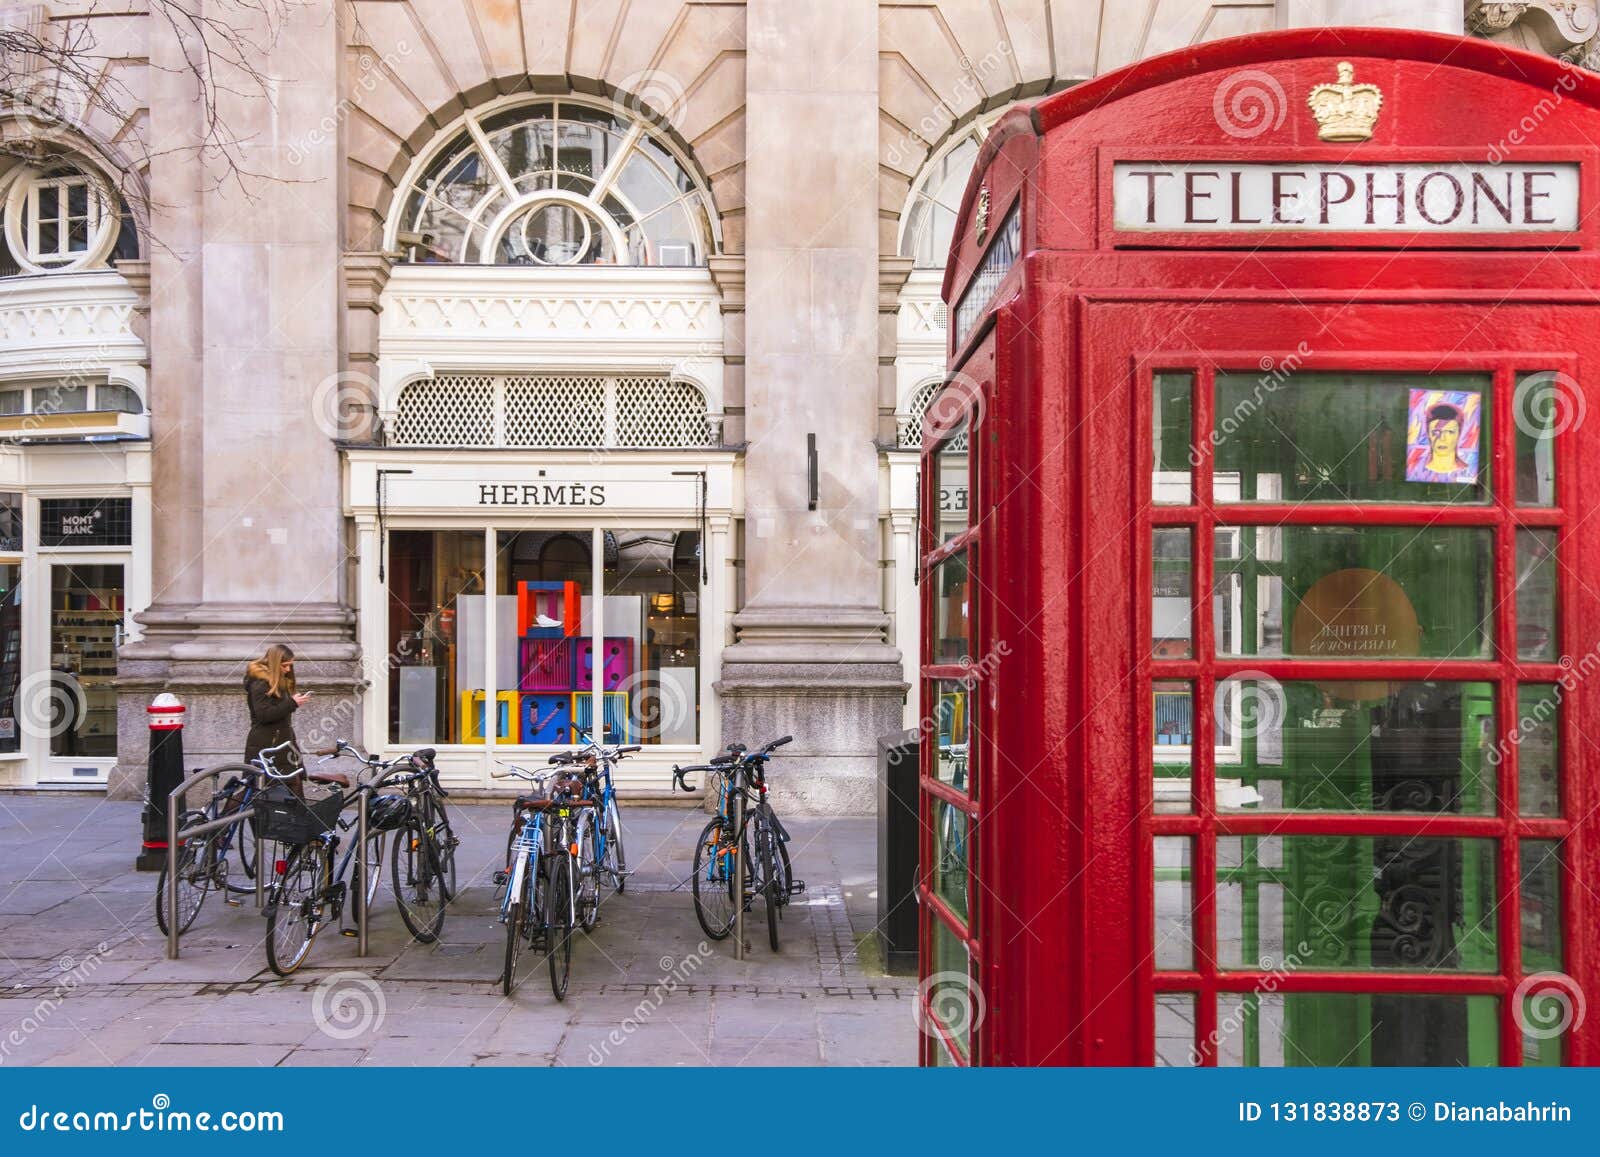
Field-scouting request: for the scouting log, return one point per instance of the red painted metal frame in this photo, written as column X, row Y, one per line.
column 1062, row 930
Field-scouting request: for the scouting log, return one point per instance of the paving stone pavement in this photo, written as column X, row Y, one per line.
column 84, row 978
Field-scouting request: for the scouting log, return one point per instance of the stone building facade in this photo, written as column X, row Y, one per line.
column 516, row 363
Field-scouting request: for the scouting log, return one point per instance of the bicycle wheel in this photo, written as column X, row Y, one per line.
column 418, row 890
column 195, row 866
column 241, row 837
column 616, row 857
column 559, row 938
column 517, row 916
column 588, row 868
column 771, row 880
column 713, row 880
column 294, row 911
column 444, row 845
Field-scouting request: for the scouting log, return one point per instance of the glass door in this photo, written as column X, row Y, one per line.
column 1355, row 680
column 86, row 625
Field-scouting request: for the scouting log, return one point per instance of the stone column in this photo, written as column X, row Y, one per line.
column 246, row 333
column 1431, row 15
column 811, row 655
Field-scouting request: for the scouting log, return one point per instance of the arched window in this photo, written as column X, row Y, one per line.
column 553, row 183
column 930, row 218
column 61, row 215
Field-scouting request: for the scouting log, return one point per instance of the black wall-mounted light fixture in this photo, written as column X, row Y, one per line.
column 811, row 471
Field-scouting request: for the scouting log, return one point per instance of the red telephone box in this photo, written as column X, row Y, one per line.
column 1260, row 619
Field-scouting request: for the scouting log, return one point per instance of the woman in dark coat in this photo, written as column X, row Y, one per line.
column 269, row 690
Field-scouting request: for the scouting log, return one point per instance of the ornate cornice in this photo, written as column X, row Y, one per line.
column 1555, row 27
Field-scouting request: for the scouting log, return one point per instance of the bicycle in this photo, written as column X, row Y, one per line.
column 540, row 905
column 761, row 841
column 423, row 866
column 309, row 890
column 203, row 861
column 600, row 848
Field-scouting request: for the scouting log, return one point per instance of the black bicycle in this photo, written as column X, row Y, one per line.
column 309, row 892
column 761, row 841
column 204, row 862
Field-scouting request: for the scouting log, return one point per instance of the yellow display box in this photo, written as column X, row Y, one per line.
column 472, row 715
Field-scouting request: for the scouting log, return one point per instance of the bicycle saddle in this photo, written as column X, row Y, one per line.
column 424, row 754
column 337, row 777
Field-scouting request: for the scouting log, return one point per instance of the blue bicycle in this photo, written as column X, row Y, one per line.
column 540, row 905
column 600, row 847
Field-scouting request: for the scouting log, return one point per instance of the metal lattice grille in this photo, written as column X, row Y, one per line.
column 557, row 412
column 450, row 411
column 916, row 408
column 660, row 412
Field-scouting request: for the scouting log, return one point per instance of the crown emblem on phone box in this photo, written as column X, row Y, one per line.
column 1345, row 111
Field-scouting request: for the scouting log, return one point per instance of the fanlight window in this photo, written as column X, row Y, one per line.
column 915, row 418
column 930, row 221
column 556, row 183
column 555, row 412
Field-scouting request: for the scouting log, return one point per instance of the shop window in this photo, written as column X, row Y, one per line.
column 117, row 398
column 10, row 654
column 561, row 183
column 653, row 603
column 1322, row 437
column 1345, row 592
column 1402, row 903
column 10, row 521
column 436, row 595
column 85, row 633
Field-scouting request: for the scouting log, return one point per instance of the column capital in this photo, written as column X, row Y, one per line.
column 892, row 273
column 727, row 271
column 365, row 275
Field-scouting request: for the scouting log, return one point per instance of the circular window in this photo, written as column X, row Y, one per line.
column 554, row 233
column 62, row 217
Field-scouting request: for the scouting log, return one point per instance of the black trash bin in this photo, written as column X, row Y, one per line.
column 897, row 850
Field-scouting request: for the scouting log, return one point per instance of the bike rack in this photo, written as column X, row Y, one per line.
column 175, row 801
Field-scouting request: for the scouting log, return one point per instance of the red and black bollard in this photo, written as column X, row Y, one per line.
column 165, row 774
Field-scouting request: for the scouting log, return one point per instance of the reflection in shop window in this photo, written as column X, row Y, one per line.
column 1324, row 437
column 952, row 626
column 1170, row 449
column 1175, row 1044
column 1544, row 404
column 1174, row 903
column 1172, row 602
column 952, row 707
column 1346, row 592
column 435, row 632
column 1172, row 707
column 652, row 626
column 85, row 633
column 1347, row 746
column 1536, row 595
column 544, row 625
column 1392, row 903
column 1548, row 1010
column 1538, row 741
column 1344, row 1030
column 953, row 482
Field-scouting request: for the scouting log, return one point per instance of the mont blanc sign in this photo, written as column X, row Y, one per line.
column 1408, row 197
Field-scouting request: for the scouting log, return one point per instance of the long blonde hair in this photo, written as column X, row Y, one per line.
column 272, row 668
